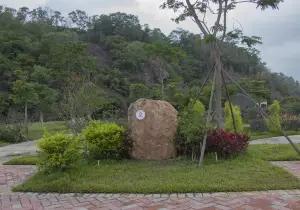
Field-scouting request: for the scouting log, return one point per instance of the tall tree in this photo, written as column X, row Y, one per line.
column 200, row 11
column 46, row 98
column 23, row 13
column 57, row 19
column 40, row 15
column 79, row 18
column 24, row 94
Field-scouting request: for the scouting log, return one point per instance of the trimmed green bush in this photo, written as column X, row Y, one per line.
column 58, row 152
column 237, row 118
column 104, row 140
column 274, row 120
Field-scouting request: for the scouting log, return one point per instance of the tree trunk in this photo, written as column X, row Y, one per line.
column 42, row 118
column 162, row 89
column 218, row 109
column 26, row 119
column 208, row 119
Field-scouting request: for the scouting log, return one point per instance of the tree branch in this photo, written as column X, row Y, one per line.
column 220, row 11
column 196, row 18
column 225, row 20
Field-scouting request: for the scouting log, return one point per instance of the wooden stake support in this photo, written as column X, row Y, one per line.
column 209, row 112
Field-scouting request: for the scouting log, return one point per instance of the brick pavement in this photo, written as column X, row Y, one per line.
column 253, row 200
column 12, row 175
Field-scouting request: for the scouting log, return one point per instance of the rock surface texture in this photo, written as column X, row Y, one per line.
column 152, row 126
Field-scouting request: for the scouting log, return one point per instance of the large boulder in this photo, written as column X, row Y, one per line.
column 152, row 126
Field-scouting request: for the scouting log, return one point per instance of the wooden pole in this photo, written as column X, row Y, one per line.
column 218, row 108
column 207, row 78
column 229, row 101
column 208, row 120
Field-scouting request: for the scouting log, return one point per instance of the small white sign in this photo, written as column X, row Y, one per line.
column 140, row 115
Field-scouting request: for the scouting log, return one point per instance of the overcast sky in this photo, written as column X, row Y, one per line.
column 280, row 29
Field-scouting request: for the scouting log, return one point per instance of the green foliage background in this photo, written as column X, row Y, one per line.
column 43, row 56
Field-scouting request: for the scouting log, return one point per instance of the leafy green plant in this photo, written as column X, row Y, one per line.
column 58, row 152
column 229, row 126
column 191, row 128
column 274, row 119
column 104, row 140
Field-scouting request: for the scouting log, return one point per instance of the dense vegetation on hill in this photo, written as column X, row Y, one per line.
column 58, row 67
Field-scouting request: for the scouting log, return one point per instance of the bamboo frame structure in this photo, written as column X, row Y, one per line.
column 209, row 112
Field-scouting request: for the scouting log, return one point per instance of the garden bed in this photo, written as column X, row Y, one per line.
column 248, row 172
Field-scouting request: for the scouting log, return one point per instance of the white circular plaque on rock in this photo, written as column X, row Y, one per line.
column 140, row 115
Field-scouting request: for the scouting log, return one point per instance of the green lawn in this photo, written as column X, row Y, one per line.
column 271, row 152
column 266, row 134
column 248, row 172
column 36, row 130
column 26, row 160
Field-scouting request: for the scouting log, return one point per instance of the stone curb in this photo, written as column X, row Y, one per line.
column 168, row 195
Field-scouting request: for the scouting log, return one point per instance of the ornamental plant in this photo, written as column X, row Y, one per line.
column 59, row 152
column 104, row 140
column 274, row 120
column 191, row 128
column 229, row 126
column 226, row 144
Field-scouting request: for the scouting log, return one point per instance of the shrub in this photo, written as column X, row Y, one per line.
column 105, row 140
column 11, row 134
column 274, row 120
column 237, row 117
column 191, row 128
column 226, row 144
column 59, row 151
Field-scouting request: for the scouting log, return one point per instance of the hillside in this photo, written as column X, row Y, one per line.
column 99, row 65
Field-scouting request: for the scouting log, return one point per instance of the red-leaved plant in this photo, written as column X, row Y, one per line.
column 226, row 144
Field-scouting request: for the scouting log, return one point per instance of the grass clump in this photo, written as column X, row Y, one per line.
column 26, row 160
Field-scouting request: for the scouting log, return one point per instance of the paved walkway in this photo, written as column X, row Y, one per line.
column 24, row 148
column 282, row 200
column 13, row 175
column 276, row 140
